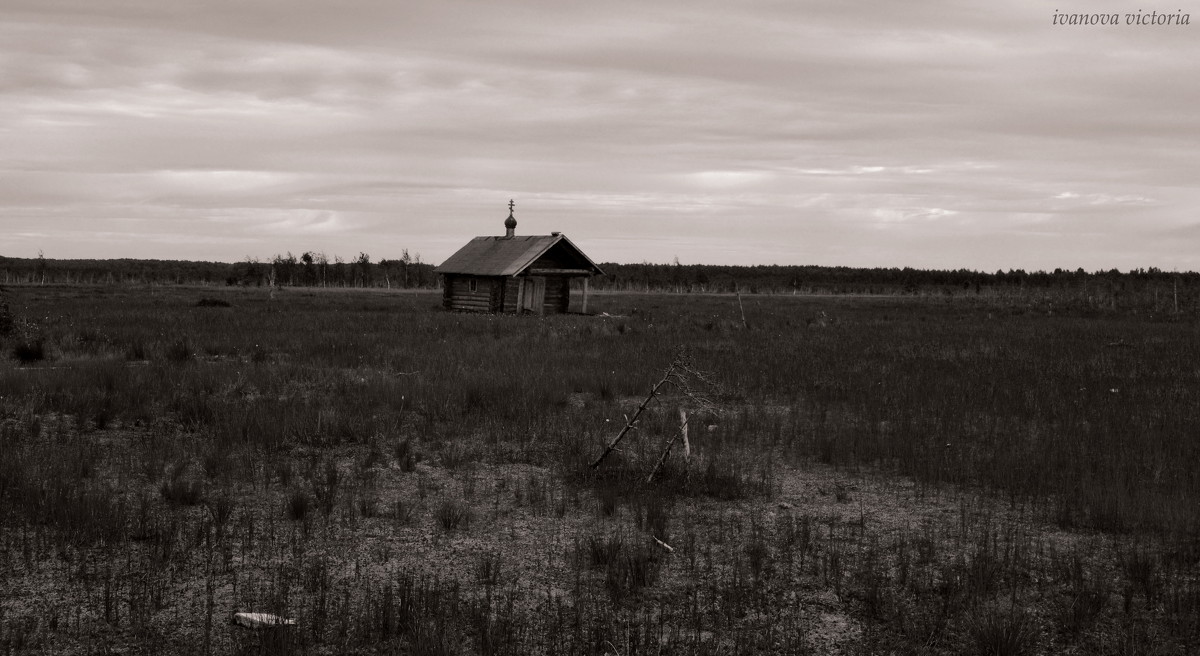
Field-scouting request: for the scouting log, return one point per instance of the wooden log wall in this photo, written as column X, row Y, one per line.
column 511, row 296
column 502, row 294
column 458, row 295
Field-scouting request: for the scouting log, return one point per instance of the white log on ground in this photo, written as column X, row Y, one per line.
column 687, row 446
column 261, row 620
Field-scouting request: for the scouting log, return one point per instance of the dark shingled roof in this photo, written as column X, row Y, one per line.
column 507, row 256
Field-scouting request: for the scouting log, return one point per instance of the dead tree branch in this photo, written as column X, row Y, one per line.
column 629, row 423
column 682, row 375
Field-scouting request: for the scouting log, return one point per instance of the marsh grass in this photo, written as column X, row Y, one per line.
column 390, row 417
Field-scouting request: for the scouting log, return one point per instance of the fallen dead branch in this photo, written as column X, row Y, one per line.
column 684, row 377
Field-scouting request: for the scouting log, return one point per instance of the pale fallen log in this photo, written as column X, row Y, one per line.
column 687, row 448
column 261, row 620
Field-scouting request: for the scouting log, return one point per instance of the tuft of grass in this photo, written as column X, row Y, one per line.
column 221, row 510
column 1085, row 604
column 406, row 455
column 403, row 511
column 603, row 551
column 634, row 569
column 1141, row 568
column 841, row 492
column 1011, row 633
column 453, row 514
column 327, row 486
column 489, row 568
column 628, row 566
column 654, row 516
column 368, row 506
column 179, row 351
column 29, row 351
column 455, row 456
column 298, row 504
column 182, row 491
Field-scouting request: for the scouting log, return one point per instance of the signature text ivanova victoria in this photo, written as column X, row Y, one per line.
column 1140, row 17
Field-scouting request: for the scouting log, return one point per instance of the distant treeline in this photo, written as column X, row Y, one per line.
column 775, row 279
column 305, row 270
column 1165, row 289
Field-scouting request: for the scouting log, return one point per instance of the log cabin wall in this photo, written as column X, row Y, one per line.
column 511, row 295
column 457, row 294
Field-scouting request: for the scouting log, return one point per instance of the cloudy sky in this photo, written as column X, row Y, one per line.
column 940, row 134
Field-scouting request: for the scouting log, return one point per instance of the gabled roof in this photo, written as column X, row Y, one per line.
column 508, row 256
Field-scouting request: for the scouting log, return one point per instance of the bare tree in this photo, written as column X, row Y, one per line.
column 322, row 266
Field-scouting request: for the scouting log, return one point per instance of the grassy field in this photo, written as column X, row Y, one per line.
column 874, row 475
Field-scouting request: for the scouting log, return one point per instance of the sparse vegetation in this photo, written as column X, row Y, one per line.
column 923, row 475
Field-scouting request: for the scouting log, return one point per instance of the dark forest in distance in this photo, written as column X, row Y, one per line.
column 1146, row 287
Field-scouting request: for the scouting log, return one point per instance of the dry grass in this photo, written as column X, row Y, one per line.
column 883, row 476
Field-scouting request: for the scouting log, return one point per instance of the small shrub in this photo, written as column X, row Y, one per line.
column 179, row 351
column 182, row 491
column 1012, row 633
column 221, row 510
column 489, row 568
column 758, row 552
column 406, row 455
column 536, row 493
column 326, row 488
column 608, row 500
column 27, row 352
column 1141, row 569
column 214, row 462
column 654, row 517
column 374, row 457
column 212, row 302
column 631, row 572
column 368, row 506
column 604, row 551
column 453, row 514
column 298, row 505
column 722, row 482
column 403, row 511
column 285, row 472
column 841, row 493
column 1085, row 604
column 455, row 456
column 606, row 390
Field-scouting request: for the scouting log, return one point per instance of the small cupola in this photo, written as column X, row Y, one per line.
column 510, row 224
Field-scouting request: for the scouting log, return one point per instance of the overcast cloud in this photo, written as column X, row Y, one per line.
column 942, row 135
